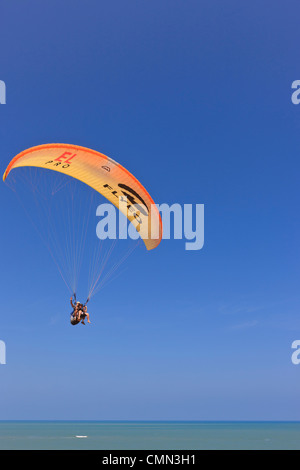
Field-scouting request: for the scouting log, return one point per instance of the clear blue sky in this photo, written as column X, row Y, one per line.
column 194, row 97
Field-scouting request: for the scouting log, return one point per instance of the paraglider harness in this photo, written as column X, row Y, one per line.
column 74, row 319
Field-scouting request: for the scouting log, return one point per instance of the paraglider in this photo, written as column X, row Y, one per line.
column 104, row 175
column 94, row 173
column 79, row 313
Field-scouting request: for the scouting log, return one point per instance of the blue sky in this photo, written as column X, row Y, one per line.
column 193, row 97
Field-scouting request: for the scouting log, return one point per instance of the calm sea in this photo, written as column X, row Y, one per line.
column 94, row 435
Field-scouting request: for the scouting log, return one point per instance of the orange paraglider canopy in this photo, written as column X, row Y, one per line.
column 102, row 174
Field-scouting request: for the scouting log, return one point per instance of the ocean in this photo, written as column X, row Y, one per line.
column 97, row 435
